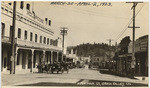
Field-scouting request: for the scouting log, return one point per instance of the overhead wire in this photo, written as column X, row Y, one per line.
column 130, row 21
column 88, row 12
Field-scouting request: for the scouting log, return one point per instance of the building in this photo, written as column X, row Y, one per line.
column 35, row 41
column 99, row 61
column 141, row 55
column 72, row 56
column 123, row 60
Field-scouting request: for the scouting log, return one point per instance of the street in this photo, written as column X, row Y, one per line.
column 75, row 77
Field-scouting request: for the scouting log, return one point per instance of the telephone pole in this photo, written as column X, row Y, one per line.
column 63, row 33
column 133, row 38
column 12, row 59
column 110, row 40
column 109, row 56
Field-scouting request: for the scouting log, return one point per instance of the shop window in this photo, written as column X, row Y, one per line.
column 35, row 37
column 21, row 4
column 31, row 36
column 25, row 35
column 5, row 62
column 19, row 33
column 18, row 59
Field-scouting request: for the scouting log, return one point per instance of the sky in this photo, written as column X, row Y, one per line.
column 89, row 24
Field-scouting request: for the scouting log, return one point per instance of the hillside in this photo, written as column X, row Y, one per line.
column 96, row 49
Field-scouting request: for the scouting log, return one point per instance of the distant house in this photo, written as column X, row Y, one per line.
column 71, row 56
column 98, row 61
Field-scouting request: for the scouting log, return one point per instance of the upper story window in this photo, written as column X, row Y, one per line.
column 51, row 42
column 21, row 4
column 44, row 40
column 35, row 37
column 28, row 6
column 31, row 36
column 19, row 33
column 3, row 29
column 49, row 22
column 9, row 3
column 56, row 42
column 47, row 41
column 46, row 20
column 40, row 39
column 25, row 35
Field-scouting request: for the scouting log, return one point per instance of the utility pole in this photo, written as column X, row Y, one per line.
column 110, row 40
column 63, row 33
column 133, row 38
column 12, row 67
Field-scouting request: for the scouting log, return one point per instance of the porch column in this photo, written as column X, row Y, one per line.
column 51, row 57
column 32, row 56
column 43, row 55
column 57, row 56
column 15, row 62
column 26, row 60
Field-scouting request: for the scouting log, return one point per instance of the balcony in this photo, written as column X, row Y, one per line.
column 32, row 44
column 6, row 39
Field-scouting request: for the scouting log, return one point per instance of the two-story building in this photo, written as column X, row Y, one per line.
column 35, row 40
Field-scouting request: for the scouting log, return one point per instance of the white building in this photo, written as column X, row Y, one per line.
column 35, row 41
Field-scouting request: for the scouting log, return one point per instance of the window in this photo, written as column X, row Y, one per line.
column 31, row 36
column 40, row 39
column 3, row 29
column 10, row 33
column 9, row 3
column 46, row 20
column 44, row 40
column 47, row 41
column 35, row 37
column 25, row 35
column 49, row 22
column 21, row 4
column 51, row 42
column 56, row 42
column 28, row 6
column 97, row 59
column 19, row 33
